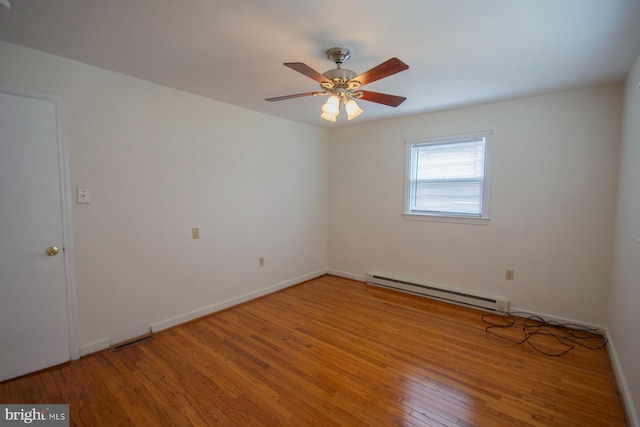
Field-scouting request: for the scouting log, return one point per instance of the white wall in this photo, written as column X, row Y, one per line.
column 159, row 162
column 553, row 193
column 624, row 313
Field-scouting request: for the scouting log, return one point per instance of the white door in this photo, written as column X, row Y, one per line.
column 34, row 326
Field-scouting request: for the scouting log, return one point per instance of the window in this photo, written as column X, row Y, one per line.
column 447, row 179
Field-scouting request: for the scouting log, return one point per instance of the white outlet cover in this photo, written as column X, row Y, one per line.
column 83, row 196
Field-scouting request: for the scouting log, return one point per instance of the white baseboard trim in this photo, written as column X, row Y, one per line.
column 186, row 317
column 94, row 347
column 347, row 275
column 205, row 311
column 551, row 318
column 623, row 389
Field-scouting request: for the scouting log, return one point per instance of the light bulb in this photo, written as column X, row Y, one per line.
column 352, row 109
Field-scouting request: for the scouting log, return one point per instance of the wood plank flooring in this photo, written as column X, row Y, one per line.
column 329, row 352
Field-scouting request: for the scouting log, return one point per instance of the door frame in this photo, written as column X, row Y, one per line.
column 65, row 203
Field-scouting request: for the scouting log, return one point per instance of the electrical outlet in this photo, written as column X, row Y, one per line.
column 195, row 233
column 83, row 196
column 261, row 262
column 508, row 275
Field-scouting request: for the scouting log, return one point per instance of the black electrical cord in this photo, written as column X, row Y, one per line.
column 569, row 335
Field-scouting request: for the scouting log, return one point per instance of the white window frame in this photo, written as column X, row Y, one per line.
column 410, row 185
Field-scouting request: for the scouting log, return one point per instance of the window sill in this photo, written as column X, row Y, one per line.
column 447, row 218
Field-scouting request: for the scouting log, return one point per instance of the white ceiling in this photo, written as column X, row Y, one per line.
column 460, row 52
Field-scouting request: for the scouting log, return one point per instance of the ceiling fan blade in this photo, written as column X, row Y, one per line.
column 297, row 95
column 307, row 71
column 382, row 98
column 387, row 68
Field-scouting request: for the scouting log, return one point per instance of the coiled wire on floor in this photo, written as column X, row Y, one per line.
column 542, row 335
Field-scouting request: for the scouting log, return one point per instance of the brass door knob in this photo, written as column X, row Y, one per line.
column 52, row 251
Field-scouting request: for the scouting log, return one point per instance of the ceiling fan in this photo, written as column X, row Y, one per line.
column 343, row 86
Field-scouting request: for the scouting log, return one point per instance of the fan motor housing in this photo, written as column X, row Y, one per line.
column 339, row 73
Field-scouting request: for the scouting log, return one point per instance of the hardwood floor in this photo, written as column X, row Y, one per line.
column 327, row 352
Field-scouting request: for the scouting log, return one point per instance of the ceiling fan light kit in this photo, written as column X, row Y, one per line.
column 343, row 86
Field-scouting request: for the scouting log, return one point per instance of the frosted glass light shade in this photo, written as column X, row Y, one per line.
column 352, row 109
column 328, row 117
column 332, row 106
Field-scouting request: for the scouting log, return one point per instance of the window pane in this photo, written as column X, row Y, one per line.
column 449, row 177
column 449, row 197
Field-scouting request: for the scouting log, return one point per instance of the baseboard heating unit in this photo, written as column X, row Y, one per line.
column 459, row 297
